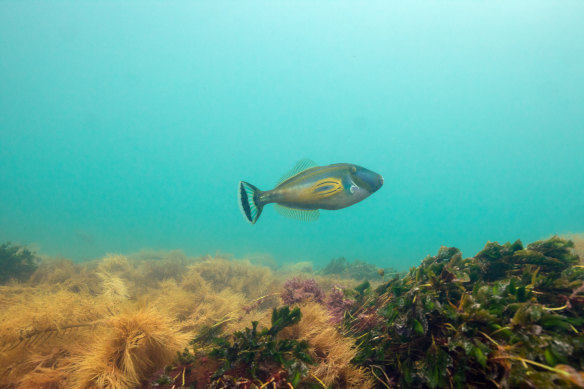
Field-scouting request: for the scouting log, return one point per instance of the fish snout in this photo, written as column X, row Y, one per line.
column 371, row 180
column 378, row 181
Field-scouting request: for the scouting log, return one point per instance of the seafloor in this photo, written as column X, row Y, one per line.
column 511, row 316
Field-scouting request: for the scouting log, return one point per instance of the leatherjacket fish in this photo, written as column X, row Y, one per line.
column 307, row 188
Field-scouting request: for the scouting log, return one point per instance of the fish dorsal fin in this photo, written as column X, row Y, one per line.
column 298, row 214
column 302, row 165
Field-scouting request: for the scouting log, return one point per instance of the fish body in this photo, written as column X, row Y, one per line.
column 307, row 188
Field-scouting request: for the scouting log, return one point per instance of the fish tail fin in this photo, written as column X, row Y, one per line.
column 249, row 202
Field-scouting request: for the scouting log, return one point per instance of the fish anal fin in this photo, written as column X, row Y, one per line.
column 298, row 214
column 302, row 165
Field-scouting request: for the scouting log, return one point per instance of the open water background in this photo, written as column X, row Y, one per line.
column 127, row 125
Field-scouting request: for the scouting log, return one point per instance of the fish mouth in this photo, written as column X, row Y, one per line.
column 378, row 181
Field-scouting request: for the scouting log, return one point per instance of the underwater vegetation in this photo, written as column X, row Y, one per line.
column 578, row 240
column 511, row 316
column 127, row 348
column 16, row 262
column 111, row 323
column 254, row 350
column 298, row 290
column 358, row 270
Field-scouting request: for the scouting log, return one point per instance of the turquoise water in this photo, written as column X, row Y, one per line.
column 126, row 126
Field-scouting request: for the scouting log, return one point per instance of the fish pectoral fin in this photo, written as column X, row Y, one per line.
column 298, row 214
column 302, row 165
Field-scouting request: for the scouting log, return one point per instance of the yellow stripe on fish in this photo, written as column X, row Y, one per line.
column 326, row 187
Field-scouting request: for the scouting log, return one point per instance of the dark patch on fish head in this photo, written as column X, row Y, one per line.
column 365, row 179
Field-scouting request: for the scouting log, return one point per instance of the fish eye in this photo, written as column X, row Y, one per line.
column 353, row 169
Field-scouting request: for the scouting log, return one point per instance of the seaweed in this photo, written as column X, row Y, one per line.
column 298, row 290
column 16, row 262
column 510, row 316
column 238, row 275
column 357, row 270
column 260, row 354
column 330, row 349
column 130, row 347
column 337, row 304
